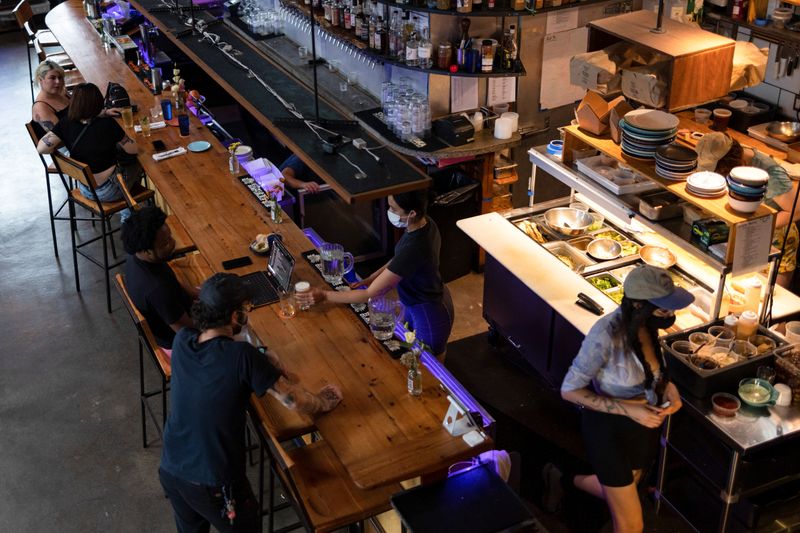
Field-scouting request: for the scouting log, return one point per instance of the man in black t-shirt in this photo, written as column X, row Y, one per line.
column 152, row 284
column 203, row 460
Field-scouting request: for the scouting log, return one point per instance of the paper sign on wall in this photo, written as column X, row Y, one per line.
column 556, row 90
column 501, row 91
column 562, row 20
column 463, row 94
column 752, row 244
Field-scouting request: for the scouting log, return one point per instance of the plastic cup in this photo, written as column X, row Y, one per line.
column 500, row 108
column 183, row 124
column 682, row 347
column 702, row 115
column 793, row 332
column 166, row 109
column 725, row 336
column 721, row 119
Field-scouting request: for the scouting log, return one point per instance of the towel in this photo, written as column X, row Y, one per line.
column 170, row 153
column 153, row 126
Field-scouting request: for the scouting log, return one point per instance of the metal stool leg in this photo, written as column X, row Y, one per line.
column 30, row 67
column 111, row 237
column 260, row 486
column 142, row 398
column 105, row 266
column 52, row 216
column 163, row 402
column 73, row 229
column 271, row 522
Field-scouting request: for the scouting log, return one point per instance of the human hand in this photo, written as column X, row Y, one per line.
column 311, row 187
column 645, row 414
column 311, row 296
column 113, row 112
column 672, row 396
column 359, row 284
column 330, row 395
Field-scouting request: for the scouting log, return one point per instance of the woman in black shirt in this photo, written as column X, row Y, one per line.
column 51, row 102
column 93, row 139
column 414, row 271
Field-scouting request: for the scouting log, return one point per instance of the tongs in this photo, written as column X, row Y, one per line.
column 590, row 305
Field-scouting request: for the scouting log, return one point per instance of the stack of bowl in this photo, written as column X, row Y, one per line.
column 675, row 161
column 781, row 16
column 746, row 188
column 706, row 184
column 644, row 130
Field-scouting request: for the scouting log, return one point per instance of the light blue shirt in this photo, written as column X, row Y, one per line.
column 606, row 361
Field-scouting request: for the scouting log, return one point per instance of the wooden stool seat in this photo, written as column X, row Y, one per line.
column 326, row 492
column 62, row 60
column 46, row 38
column 73, row 78
column 139, row 193
column 283, row 423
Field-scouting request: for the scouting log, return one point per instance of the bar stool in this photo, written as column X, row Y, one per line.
column 35, row 131
column 102, row 210
column 320, row 489
column 475, row 500
column 24, row 15
column 157, row 356
column 72, row 77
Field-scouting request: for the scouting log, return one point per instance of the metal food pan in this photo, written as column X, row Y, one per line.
column 579, row 260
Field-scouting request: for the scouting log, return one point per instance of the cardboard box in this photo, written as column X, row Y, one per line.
column 595, row 71
column 593, row 112
column 645, row 84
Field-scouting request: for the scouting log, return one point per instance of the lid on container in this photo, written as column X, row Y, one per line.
column 731, row 320
column 749, row 315
column 243, row 149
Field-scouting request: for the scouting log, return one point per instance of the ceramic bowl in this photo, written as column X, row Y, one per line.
column 725, row 404
column 742, row 206
column 757, row 392
column 751, row 176
column 737, row 187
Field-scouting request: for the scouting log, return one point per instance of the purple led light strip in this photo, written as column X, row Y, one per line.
column 431, row 363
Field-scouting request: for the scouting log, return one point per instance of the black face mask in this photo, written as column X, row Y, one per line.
column 660, row 322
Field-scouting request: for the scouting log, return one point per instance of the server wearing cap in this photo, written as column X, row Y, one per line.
column 619, row 379
column 203, row 459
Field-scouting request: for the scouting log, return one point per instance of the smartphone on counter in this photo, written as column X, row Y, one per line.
column 230, row 264
column 159, row 146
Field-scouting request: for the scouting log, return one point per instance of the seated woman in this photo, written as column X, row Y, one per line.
column 93, row 138
column 414, row 270
column 51, row 102
column 296, row 172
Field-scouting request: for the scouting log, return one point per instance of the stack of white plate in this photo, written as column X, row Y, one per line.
column 644, row 130
column 706, row 184
column 675, row 161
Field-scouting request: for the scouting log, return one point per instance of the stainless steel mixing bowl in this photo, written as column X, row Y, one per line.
column 787, row 132
column 604, row 249
column 568, row 220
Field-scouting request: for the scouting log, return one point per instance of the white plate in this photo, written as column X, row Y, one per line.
column 706, row 181
column 199, row 146
column 651, row 119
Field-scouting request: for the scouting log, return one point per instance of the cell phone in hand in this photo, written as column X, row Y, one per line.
column 159, row 146
column 665, row 405
column 230, row 264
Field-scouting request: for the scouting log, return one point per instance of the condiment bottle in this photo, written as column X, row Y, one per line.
column 731, row 321
column 752, row 294
column 487, row 56
column 747, row 325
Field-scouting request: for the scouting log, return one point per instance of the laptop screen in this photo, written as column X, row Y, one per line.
column 281, row 265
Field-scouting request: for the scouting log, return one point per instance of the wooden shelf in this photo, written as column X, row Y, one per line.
column 700, row 62
column 718, row 207
column 768, row 33
column 488, row 12
column 352, row 40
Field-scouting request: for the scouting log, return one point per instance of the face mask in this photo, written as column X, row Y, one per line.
column 396, row 220
column 661, row 322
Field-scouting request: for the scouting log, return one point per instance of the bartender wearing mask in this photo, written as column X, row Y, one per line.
column 414, row 271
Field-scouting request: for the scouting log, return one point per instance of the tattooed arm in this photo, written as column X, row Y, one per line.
column 641, row 412
column 48, row 143
column 44, row 115
column 297, row 398
column 129, row 145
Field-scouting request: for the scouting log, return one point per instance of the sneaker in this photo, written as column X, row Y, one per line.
column 553, row 490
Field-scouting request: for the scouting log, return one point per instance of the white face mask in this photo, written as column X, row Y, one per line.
column 396, row 220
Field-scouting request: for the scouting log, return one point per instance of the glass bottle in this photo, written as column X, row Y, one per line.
column 335, row 20
column 349, row 17
column 380, row 40
column 373, row 22
column 431, row 4
column 233, row 164
column 414, row 382
column 360, row 23
column 487, row 56
column 326, row 6
column 393, row 36
column 477, row 5
column 425, row 50
column 412, row 47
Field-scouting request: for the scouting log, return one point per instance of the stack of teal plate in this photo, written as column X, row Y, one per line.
column 644, row 130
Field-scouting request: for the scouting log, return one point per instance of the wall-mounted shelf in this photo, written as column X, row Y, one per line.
column 350, row 39
column 487, row 12
column 770, row 33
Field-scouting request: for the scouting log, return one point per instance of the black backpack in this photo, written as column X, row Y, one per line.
column 117, row 96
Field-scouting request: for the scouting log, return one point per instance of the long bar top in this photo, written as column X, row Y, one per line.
column 380, row 433
column 392, row 174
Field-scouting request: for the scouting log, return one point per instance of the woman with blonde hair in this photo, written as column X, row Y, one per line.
column 52, row 101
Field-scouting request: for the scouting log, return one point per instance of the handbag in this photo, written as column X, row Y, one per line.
column 116, row 96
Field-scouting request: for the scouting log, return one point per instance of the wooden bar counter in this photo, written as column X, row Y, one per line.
column 380, row 433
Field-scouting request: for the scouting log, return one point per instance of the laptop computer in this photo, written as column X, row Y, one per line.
column 265, row 286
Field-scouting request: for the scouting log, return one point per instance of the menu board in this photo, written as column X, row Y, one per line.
column 751, row 246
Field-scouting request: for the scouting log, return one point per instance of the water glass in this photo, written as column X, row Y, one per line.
column 352, row 77
column 127, row 117
column 302, row 51
column 287, row 305
column 383, row 313
column 335, row 262
column 343, row 86
column 155, row 112
column 767, row 373
column 183, row 124
column 166, row 109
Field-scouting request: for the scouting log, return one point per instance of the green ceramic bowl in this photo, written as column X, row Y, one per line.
column 757, row 392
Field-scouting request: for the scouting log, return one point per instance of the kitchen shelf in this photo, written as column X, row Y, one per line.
column 487, row 12
column 349, row 38
column 782, row 36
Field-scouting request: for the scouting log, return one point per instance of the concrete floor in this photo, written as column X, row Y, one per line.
column 70, row 447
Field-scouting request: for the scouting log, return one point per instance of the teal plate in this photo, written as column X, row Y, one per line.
column 199, row 146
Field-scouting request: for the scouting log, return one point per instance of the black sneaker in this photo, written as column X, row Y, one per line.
column 553, row 490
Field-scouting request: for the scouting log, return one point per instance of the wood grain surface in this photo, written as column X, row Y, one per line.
column 325, row 345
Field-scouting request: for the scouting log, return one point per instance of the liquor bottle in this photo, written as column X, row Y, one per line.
column 477, row 5
column 373, row 21
column 348, row 22
column 335, row 18
column 342, row 11
column 318, row 7
column 361, row 24
column 381, row 37
column 326, row 6
column 412, row 47
column 490, row 4
column 513, row 49
column 394, row 47
column 425, row 50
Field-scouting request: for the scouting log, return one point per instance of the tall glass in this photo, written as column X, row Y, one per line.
column 383, row 313
column 127, row 117
column 145, row 124
column 287, row 304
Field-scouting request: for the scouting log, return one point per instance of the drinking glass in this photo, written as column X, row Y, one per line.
column 287, row 305
column 166, row 109
column 343, row 86
column 766, row 373
column 352, row 77
column 183, row 124
column 384, row 311
column 335, row 262
column 302, row 51
column 155, row 112
column 127, row 117
column 145, row 124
